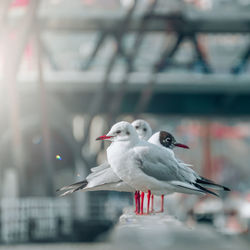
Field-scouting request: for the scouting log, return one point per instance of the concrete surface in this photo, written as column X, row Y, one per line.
column 157, row 231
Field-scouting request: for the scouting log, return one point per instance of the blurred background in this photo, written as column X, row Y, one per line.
column 71, row 69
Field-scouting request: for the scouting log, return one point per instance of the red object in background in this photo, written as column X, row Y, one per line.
column 28, row 54
column 223, row 131
column 20, row 3
column 247, row 197
column 208, row 169
column 217, row 130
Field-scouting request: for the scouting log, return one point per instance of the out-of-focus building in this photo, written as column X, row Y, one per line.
column 70, row 69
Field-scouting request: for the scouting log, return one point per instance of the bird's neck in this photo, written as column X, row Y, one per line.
column 124, row 145
column 119, row 148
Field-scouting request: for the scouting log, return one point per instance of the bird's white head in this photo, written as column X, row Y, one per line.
column 142, row 128
column 121, row 131
column 165, row 139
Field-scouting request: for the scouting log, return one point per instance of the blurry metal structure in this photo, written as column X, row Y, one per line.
column 115, row 32
column 31, row 219
column 200, row 22
column 238, row 68
column 46, row 134
column 12, row 60
column 184, row 26
column 13, row 56
column 120, row 93
column 101, row 93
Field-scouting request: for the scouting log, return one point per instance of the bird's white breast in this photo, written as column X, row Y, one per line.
column 122, row 159
column 119, row 154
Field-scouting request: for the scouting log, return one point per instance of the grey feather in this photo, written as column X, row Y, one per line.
column 204, row 189
column 163, row 168
column 100, row 167
column 97, row 178
column 210, row 184
column 73, row 186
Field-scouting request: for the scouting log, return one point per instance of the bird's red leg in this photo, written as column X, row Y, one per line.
column 162, row 204
column 148, row 200
column 142, row 201
column 152, row 203
column 136, row 202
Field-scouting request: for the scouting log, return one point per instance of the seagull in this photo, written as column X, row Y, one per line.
column 144, row 132
column 161, row 138
column 142, row 128
column 104, row 178
column 149, row 167
column 167, row 140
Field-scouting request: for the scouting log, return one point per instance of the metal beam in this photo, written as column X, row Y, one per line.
column 89, row 82
column 181, row 103
column 158, row 23
column 13, row 55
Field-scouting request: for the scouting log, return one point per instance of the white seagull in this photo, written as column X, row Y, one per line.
column 142, row 128
column 144, row 132
column 148, row 167
column 106, row 179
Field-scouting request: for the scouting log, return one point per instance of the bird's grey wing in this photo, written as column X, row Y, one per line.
column 100, row 167
column 162, row 166
column 168, row 169
column 179, row 160
column 104, row 176
column 154, row 165
column 95, row 179
column 182, row 162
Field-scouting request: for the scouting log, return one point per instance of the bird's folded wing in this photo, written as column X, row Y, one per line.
column 182, row 162
column 104, row 176
column 158, row 163
column 100, row 167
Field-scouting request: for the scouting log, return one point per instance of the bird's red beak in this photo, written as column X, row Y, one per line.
column 103, row 137
column 181, row 145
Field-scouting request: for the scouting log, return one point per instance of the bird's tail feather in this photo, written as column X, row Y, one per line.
column 66, row 193
column 210, row 184
column 73, row 187
column 205, row 189
column 100, row 167
column 192, row 188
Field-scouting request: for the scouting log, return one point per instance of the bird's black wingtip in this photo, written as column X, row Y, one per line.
column 227, row 189
column 205, row 189
column 205, row 181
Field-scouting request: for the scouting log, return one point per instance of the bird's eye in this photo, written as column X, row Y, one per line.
column 168, row 139
column 136, row 127
column 145, row 129
column 118, row 131
column 128, row 133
